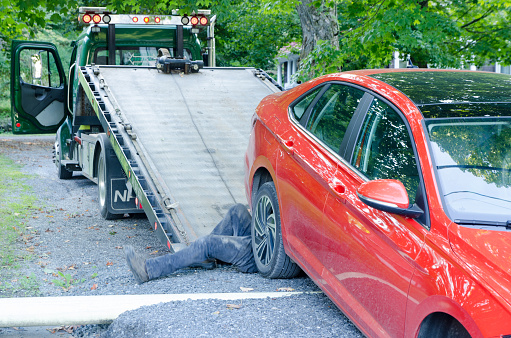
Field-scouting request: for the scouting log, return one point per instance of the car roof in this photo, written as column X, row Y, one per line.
column 450, row 93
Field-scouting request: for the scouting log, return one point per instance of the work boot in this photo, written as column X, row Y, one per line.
column 137, row 264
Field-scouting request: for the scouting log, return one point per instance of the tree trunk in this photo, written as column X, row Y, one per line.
column 317, row 24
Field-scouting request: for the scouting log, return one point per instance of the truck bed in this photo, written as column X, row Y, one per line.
column 193, row 130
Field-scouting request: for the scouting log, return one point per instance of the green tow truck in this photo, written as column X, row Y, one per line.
column 145, row 114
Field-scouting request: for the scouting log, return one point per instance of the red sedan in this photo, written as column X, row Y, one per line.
column 391, row 189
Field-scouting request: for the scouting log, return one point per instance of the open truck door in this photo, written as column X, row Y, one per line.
column 38, row 88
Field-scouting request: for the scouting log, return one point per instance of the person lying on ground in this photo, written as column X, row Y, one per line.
column 229, row 242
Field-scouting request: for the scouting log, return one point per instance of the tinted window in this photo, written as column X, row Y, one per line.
column 302, row 105
column 332, row 114
column 384, row 150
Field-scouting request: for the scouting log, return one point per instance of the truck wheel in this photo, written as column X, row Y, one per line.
column 270, row 257
column 62, row 172
column 104, row 188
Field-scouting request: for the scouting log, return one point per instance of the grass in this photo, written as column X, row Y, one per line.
column 16, row 204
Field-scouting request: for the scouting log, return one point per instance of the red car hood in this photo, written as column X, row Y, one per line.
column 488, row 255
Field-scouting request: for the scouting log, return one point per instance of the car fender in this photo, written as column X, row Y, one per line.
column 260, row 162
column 441, row 284
column 440, row 304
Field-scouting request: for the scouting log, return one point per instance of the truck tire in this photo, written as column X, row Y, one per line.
column 104, row 192
column 62, row 172
column 270, row 257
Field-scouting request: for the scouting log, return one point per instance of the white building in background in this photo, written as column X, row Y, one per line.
column 495, row 68
column 286, row 67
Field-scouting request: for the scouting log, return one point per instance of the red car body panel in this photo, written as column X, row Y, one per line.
column 389, row 272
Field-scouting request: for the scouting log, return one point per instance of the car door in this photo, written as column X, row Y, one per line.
column 38, row 88
column 307, row 163
column 369, row 254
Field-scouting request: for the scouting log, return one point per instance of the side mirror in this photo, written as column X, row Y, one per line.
column 389, row 196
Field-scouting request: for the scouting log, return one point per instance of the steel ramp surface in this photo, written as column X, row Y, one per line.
column 194, row 130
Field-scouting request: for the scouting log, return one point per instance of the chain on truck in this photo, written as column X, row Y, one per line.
column 94, row 134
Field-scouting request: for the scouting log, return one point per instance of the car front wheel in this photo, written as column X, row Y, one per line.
column 270, row 257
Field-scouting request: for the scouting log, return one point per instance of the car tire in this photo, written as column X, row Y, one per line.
column 104, row 194
column 267, row 246
column 442, row 326
column 62, row 172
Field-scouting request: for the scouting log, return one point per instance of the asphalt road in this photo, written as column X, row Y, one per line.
column 66, row 233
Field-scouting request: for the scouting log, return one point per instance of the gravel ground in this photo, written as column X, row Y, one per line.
column 69, row 235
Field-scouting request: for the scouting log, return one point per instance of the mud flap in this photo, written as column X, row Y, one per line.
column 122, row 199
column 119, row 197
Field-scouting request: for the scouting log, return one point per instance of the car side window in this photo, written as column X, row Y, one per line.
column 331, row 115
column 384, row 149
column 300, row 107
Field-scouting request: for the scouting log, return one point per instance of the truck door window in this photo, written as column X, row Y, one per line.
column 38, row 67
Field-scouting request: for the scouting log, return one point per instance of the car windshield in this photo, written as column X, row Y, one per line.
column 472, row 157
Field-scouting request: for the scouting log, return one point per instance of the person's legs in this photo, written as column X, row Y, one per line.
column 229, row 242
column 235, row 250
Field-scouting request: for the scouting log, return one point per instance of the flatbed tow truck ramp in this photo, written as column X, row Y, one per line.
column 193, row 130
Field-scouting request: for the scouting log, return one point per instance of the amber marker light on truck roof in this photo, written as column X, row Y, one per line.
column 203, row 21
column 135, row 19
column 157, row 20
column 146, row 19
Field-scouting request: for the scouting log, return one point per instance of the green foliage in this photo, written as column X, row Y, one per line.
column 247, row 36
column 324, row 59
column 4, row 84
column 67, row 281
column 443, row 33
column 435, row 33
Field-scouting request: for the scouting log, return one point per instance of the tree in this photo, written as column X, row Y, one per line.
column 245, row 36
column 442, row 33
column 24, row 17
column 343, row 34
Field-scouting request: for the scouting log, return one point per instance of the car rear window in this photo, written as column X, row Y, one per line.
column 466, row 110
column 447, row 87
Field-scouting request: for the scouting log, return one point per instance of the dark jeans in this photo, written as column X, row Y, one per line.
column 229, row 242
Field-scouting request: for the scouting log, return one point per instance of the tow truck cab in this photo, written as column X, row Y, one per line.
column 45, row 100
